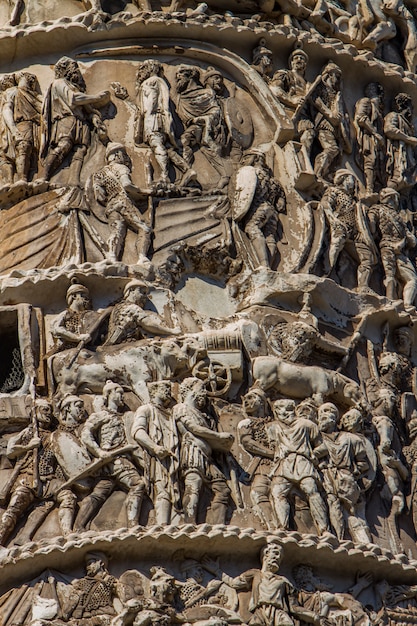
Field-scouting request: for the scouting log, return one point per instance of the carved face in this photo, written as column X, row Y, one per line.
column 298, row 63
column 44, row 414
column 183, row 77
column 216, row 83
column 79, row 301
column 72, row 414
column 137, row 295
column 349, row 184
column 162, row 392
column 115, row 398
column 284, row 410
column 328, row 415
column 271, row 558
column 252, row 403
column 332, row 79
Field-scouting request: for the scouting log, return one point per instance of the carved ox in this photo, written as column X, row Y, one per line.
column 303, row 381
column 131, row 365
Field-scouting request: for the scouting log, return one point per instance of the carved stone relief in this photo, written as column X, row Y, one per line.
column 207, row 311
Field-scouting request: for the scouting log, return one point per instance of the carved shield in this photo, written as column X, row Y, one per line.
column 246, row 181
column 239, row 122
column 71, row 456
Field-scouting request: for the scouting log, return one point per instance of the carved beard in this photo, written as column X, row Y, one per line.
column 75, row 77
column 182, row 84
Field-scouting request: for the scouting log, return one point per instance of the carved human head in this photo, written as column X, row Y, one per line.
column 403, row 102
column 150, row 67
column 160, row 390
column 190, row 568
column 113, row 394
column 346, row 179
column 328, row 415
column 262, row 57
column 95, row 562
column 298, row 60
column 78, row 297
column 69, row 69
column 271, row 556
column 214, row 79
column 26, row 80
column 374, row 90
column 136, row 291
column 193, row 389
column 71, row 412
column 255, row 402
column 184, row 75
column 351, row 421
column 390, row 197
column 403, row 339
column 6, row 81
column 43, row 412
column 307, row 409
column 332, row 75
column 284, row 410
column 116, row 152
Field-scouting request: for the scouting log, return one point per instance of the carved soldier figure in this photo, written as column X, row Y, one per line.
column 198, row 442
column 7, row 82
column 262, row 60
column 113, row 188
column 154, row 125
column 258, row 200
column 129, row 319
column 155, row 431
column 35, row 476
column 294, row 440
column 253, row 437
column 104, row 435
column 91, row 597
column 291, row 88
column 22, row 114
column 401, row 143
column 348, row 227
column 66, row 115
column 369, row 126
column 389, row 456
column 274, row 600
column 202, row 117
column 344, row 464
column 79, row 323
column 331, row 122
column 394, row 240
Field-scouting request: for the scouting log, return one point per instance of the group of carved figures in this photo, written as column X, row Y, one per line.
column 205, row 595
column 172, row 450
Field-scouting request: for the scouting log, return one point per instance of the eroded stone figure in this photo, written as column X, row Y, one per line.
column 113, row 188
column 7, row 83
column 395, row 240
column 155, row 431
column 331, row 121
column 68, row 114
column 369, row 126
column 401, row 143
column 155, row 125
column 256, row 206
column 35, row 477
column 348, row 227
column 204, row 125
column 253, row 436
column 104, row 435
column 344, row 465
column 22, row 115
column 199, row 442
column 129, row 320
column 294, row 439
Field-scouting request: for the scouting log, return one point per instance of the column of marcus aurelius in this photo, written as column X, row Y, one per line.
column 208, row 325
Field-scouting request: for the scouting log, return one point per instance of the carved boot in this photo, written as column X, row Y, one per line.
column 34, row 521
column 87, row 510
column 163, row 512
column 318, row 513
column 6, row 528
column 133, row 505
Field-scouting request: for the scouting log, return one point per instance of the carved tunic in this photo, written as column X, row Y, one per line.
column 294, row 448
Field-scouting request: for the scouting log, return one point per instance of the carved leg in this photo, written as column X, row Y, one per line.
column 20, row 501
column 409, row 277
column 134, row 503
column 34, row 521
column 56, row 157
column 163, row 510
column 116, row 240
column 90, row 505
column 76, row 165
column 330, row 151
column 260, row 492
column 220, row 502
column 23, row 157
column 280, row 490
column 67, row 501
column 316, row 504
column 336, row 516
column 192, row 488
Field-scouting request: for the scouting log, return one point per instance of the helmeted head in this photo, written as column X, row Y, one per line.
column 78, row 296
column 403, row 102
column 214, row 79
column 43, row 412
column 284, row 410
column 255, row 402
column 71, row 412
column 351, row 421
column 298, row 59
column 403, row 338
column 346, row 179
column 389, row 196
column 95, row 562
column 328, row 416
column 262, row 57
column 113, row 393
column 136, row 291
